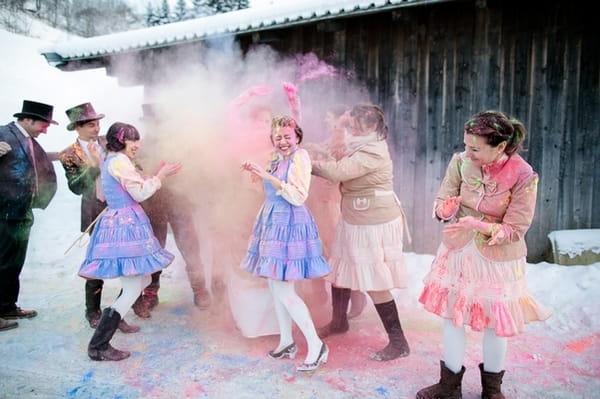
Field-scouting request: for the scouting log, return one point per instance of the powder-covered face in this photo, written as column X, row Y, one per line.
column 480, row 152
column 34, row 127
column 88, row 131
column 285, row 140
column 131, row 148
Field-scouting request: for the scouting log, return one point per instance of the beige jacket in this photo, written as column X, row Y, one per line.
column 503, row 193
column 366, row 184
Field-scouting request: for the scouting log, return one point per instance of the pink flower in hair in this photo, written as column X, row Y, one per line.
column 121, row 135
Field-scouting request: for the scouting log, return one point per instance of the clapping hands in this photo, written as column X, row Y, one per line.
column 255, row 169
column 166, row 169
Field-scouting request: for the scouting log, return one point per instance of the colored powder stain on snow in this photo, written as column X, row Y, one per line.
column 87, row 376
column 291, row 378
column 582, row 345
column 234, row 361
column 337, row 384
column 193, row 390
column 85, row 379
column 381, row 391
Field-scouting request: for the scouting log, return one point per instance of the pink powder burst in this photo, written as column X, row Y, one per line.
column 311, row 67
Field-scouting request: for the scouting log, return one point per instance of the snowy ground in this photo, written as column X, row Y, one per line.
column 184, row 353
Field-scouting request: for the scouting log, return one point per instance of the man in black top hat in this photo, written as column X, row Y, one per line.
column 27, row 180
column 82, row 161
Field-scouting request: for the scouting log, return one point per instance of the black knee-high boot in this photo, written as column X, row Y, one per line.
column 398, row 346
column 339, row 318
column 99, row 347
column 93, row 297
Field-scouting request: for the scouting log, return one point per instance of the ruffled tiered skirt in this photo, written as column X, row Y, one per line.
column 474, row 291
column 368, row 257
column 123, row 244
column 285, row 244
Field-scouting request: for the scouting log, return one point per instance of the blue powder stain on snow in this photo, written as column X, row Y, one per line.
column 85, row 379
column 88, row 376
column 233, row 361
column 180, row 311
column 382, row 391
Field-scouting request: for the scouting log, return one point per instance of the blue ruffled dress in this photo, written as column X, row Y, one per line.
column 285, row 243
column 122, row 242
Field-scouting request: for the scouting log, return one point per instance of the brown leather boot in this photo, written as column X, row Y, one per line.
column 339, row 319
column 140, row 308
column 449, row 387
column 397, row 346
column 99, row 347
column 126, row 328
column 490, row 384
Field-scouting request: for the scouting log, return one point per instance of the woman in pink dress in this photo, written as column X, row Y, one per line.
column 477, row 278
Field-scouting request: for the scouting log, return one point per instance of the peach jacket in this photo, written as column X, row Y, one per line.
column 367, row 184
column 503, row 193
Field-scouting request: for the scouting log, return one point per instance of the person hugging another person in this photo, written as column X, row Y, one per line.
column 285, row 245
column 123, row 244
column 367, row 251
column 324, row 200
column 478, row 277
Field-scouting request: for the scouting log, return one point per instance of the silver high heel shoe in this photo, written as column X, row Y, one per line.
column 322, row 358
column 289, row 351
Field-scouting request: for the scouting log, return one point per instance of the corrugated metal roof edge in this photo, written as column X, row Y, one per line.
column 53, row 53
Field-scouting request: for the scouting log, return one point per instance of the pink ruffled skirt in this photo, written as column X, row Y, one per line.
column 472, row 290
column 368, row 257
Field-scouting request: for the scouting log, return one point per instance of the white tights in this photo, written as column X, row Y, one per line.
column 132, row 287
column 289, row 306
column 494, row 348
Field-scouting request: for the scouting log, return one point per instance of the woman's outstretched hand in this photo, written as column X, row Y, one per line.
column 255, row 169
column 166, row 169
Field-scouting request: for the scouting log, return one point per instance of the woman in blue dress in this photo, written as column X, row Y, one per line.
column 123, row 244
column 285, row 244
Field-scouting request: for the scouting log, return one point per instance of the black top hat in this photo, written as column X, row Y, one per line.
column 82, row 113
column 34, row 110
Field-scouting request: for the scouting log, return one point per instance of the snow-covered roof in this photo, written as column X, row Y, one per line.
column 233, row 23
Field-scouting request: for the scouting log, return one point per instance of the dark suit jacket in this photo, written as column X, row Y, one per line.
column 17, row 176
column 81, row 177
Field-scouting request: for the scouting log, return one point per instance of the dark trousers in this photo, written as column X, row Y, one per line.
column 14, row 237
column 93, row 295
column 169, row 211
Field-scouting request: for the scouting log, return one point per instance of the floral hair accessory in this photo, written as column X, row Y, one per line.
column 121, row 135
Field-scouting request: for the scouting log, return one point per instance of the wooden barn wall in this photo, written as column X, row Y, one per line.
column 432, row 67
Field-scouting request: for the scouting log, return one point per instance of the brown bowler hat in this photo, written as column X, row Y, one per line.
column 82, row 113
column 35, row 110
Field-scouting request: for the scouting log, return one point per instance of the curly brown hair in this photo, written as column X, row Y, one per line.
column 495, row 127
